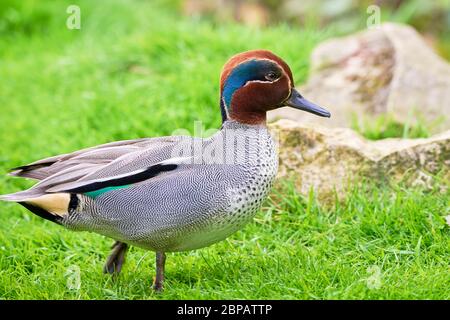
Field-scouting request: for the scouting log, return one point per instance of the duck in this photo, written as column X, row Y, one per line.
column 174, row 193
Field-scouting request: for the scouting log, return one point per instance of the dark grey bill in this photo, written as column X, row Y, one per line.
column 298, row 102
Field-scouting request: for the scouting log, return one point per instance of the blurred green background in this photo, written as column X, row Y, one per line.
column 145, row 68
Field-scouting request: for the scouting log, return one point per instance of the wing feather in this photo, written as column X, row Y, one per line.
column 126, row 179
column 108, row 152
column 113, row 163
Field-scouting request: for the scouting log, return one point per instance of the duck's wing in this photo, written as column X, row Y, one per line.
column 88, row 160
column 119, row 180
column 53, row 200
column 106, row 162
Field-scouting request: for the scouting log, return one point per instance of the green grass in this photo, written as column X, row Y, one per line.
column 385, row 126
column 138, row 69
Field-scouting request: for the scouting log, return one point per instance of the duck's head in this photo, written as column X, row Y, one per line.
column 254, row 82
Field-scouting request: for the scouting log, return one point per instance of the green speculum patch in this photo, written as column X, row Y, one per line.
column 96, row 193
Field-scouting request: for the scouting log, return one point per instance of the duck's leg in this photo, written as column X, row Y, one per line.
column 159, row 279
column 116, row 259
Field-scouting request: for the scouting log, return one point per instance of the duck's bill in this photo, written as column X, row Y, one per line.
column 297, row 101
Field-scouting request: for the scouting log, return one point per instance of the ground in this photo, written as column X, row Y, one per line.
column 138, row 69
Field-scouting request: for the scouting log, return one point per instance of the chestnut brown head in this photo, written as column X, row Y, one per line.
column 255, row 82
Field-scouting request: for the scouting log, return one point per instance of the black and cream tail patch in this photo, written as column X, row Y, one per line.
column 52, row 206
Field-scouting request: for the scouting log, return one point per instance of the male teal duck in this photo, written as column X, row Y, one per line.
column 173, row 193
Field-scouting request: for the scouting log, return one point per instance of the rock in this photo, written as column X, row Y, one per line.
column 386, row 70
column 328, row 159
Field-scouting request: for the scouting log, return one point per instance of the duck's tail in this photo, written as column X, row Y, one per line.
column 50, row 206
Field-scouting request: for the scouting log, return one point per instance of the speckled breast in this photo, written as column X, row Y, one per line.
column 243, row 201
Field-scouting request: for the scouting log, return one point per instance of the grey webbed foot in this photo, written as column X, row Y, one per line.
column 116, row 259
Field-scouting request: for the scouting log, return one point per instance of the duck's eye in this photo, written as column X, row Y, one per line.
column 271, row 76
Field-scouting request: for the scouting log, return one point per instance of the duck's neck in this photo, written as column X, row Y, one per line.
column 249, row 117
column 242, row 116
